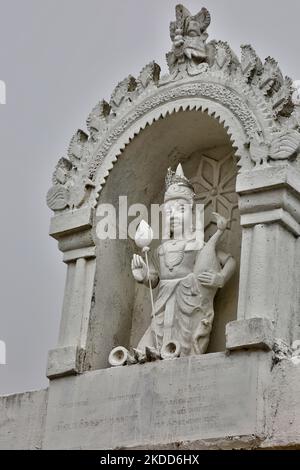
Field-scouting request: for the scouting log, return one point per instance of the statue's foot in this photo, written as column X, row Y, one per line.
column 131, row 359
column 139, row 356
column 152, row 354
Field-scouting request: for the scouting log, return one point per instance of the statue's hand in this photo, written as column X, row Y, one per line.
column 138, row 268
column 211, row 279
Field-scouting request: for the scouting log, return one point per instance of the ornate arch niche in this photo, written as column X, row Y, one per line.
column 200, row 114
column 203, row 146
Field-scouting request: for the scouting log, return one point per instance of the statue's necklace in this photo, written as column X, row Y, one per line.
column 173, row 253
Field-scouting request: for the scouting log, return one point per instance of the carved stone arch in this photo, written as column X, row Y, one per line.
column 231, row 123
column 240, row 115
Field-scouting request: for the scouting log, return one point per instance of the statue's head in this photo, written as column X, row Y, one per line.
column 178, row 202
column 188, row 34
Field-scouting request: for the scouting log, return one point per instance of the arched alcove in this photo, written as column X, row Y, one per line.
column 121, row 308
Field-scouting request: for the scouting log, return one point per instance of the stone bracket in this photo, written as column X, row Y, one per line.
column 65, row 361
column 70, row 222
column 269, row 177
column 255, row 333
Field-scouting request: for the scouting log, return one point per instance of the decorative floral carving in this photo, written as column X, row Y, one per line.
column 214, row 186
column 67, row 192
column 210, row 90
column 271, row 75
column 268, row 78
column 77, row 147
column 58, row 195
column 284, row 145
column 259, row 151
column 224, row 56
column 250, row 62
column 122, row 93
column 296, row 93
column 149, row 74
column 282, row 100
column 98, row 119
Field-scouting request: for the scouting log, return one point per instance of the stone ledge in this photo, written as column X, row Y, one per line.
column 252, row 333
column 272, row 216
column 73, row 255
column 69, row 222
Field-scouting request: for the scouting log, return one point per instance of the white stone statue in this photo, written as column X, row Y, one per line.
column 188, row 274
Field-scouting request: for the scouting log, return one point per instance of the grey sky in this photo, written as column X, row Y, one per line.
column 58, row 58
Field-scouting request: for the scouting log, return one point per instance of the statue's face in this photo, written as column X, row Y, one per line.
column 178, row 216
column 191, row 42
column 193, row 29
column 194, row 41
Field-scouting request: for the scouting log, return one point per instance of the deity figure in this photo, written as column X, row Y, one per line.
column 188, row 34
column 187, row 274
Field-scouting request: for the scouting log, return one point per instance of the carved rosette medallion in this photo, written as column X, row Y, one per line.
column 214, row 186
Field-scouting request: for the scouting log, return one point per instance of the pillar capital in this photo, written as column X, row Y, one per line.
column 270, row 195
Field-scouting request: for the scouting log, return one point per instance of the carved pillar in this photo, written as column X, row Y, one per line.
column 73, row 232
column 269, row 203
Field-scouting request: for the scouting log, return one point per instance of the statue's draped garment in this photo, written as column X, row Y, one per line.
column 183, row 310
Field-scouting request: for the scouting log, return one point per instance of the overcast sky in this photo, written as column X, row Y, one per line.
column 58, row 58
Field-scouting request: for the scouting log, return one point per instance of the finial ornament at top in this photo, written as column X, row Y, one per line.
column 188, row 34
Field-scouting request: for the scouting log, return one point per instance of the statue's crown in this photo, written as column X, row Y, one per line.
column 177, row 185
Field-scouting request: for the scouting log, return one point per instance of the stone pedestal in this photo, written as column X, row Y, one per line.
column 193, row 400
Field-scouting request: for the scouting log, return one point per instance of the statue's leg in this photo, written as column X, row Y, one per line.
column 154, row 334
column 201, row 335
column 202, row 344
column 168, row 327
column 146, row 340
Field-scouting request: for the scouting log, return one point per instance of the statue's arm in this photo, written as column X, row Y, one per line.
column 154, row 277
column 219, row 279
column 228, row 264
